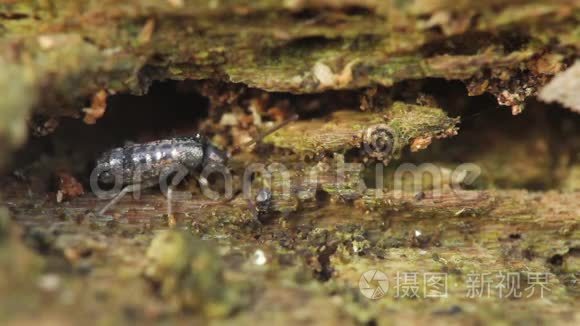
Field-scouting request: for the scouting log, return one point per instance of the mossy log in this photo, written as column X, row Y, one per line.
column 57, row 54
column 274, row 270
column 216, row 261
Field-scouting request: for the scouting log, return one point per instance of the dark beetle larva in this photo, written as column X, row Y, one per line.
column 139, row 166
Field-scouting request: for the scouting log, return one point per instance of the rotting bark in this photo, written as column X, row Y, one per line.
column 456, row 233
column 65, row 52
column 265, row 59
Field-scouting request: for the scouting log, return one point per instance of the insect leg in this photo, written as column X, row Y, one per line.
column 174, row 174
column 121, row 194
column 169, row 198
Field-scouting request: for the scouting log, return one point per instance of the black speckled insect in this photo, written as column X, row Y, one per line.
column 152, row 160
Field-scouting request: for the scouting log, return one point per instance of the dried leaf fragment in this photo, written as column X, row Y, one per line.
column 68, row 187
column 147, row 32
column 420, row 143
column 97, row 109
column 328, row 79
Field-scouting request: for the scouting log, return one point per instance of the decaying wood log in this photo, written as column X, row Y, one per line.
column 326, row 253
